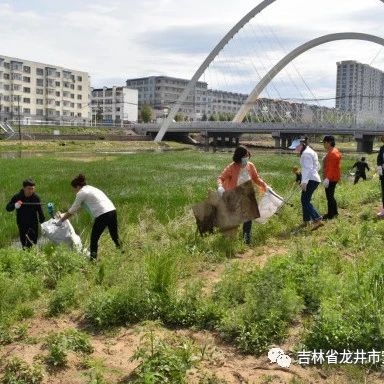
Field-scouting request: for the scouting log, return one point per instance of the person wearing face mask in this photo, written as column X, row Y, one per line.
column 310, row 180
column 238, row 172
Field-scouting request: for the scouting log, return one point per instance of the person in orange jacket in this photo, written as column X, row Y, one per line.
column 236, row 173
column 331, row 175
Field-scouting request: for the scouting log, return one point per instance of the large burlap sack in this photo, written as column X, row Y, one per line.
column 235, row 207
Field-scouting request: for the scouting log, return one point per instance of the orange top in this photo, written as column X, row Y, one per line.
column 331, row 169
column 228, row 178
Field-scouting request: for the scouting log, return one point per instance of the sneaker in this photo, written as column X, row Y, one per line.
column 317, row 224
column 380, row 215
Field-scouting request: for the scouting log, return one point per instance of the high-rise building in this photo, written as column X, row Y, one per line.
column 360, row 89
column 115, row 105
column 33, row 91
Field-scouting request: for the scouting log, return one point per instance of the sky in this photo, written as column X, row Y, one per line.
column 114, row 40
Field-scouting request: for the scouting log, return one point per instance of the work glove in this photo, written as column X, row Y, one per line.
column 326, row 183
column 380, row 170
column 18, row 204
column 220, row 191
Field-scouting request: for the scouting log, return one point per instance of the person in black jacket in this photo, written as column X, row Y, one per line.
column 361, row 166
column 28, row 213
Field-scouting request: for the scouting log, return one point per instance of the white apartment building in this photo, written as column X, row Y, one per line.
column 32, row 91
column 360, row 89
column 162, row 92
column 114, row 106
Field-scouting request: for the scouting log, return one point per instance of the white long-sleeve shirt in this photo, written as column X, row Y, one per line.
column 92, row 199
column 310, row 166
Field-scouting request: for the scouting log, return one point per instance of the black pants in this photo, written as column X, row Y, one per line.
column 331, row 201
column 358, row 175
column 108, row 219
column 382, row 189
column 28, row 234
column 247, row 226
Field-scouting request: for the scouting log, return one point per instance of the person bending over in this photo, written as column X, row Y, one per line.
column 101, row 209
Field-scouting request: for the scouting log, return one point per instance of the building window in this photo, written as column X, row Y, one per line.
column 79, row 78
column 26, row 90
column 16, row 76
column 40, row 82
column 39, row 91
column 27, row 110
column 26, row 100
column 26, row 79
column 40, row 112
column 40, row 71
column 79, row 97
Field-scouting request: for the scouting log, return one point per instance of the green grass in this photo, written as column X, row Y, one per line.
column 329, row 281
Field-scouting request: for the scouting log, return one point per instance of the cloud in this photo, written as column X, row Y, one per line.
column 183, row 40
column 122, row 39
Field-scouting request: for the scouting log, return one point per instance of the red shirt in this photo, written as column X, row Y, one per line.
column 331, row 169
column 228, row 178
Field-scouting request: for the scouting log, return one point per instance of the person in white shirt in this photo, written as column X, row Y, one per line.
column 101, row 209
column 310, row 180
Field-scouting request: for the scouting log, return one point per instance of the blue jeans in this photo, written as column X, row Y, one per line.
column 309, row 211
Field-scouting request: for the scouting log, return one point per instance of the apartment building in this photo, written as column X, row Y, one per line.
column 360, row 89
column 115, row 105
column 162, row 92
column 32, row 91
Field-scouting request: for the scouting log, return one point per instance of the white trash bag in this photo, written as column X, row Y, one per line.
column 268, row 205
column 63, row 233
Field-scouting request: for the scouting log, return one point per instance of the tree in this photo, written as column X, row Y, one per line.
column 146, row 114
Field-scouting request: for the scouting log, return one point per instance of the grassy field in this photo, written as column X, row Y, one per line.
column 305, row 290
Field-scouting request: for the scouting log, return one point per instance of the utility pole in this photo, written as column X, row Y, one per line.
column 18, row 113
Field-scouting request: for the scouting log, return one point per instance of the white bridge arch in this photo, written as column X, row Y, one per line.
column 223, row 42
column 252, row 97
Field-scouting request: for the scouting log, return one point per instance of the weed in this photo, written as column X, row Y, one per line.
column 17, row 371
column 59, row 344
column 163, row 361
